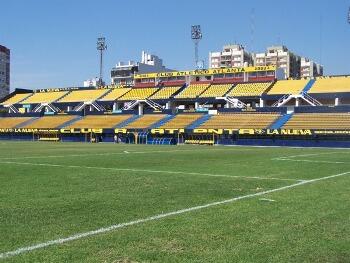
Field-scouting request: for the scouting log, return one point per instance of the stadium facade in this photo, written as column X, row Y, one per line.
column 4, row 71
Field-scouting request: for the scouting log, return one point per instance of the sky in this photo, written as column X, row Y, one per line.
column 53, row 43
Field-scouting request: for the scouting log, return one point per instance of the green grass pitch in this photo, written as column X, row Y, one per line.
column 52, row 191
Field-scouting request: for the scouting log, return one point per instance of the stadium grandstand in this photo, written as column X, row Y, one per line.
column 216, row 90
column 187, row 107
column 144, row 121
column 47, row 122
column 99, row 121
column 283, row 87
column 249, row 89
column 44, row 97
column 16, row 98
column 240, row 120
column 319, row 121
column 13, row 122
column 165, row 93
column 115, row 94
column 84, row 95
column 181, row 121
column 138, row 94
column 192, row 91
column 331, row 85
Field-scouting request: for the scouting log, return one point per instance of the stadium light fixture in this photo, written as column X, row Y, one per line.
column 101, row 46
column 196, row 36
column 349, row 16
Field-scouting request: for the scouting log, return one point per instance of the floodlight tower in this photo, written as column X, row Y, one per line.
column 196, row 35
column 349, row 16
column 101, row 46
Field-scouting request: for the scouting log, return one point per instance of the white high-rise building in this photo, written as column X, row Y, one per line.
column 280, row 57
column 309, row 68
column 4, row 71
column 92, row 82
column 122, row 73
column 230, row 56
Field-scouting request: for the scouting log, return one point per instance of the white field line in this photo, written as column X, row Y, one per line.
column 291, row 158
column 155, row 217
column 150, row 171
column 290, row 147
column 309, row 154
column 309, row 161
column 110, row 153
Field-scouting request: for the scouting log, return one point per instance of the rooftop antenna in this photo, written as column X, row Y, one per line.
column 196, row 35
column 321, row 38
column 252, row 28
column 101, row 46
column 279, row 42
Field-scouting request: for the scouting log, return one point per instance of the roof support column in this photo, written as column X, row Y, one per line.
column 336, row 102
column 261, row 103
column 140, row 108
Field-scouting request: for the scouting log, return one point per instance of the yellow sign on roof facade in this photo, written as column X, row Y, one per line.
column 206, row 72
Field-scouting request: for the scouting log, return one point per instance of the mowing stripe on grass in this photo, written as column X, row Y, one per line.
column 155, row 217
column 111, row 153
column 90, row 154
column 150, row 171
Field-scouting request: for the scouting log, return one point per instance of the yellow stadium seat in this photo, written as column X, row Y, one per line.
column 138, row 94
column 331, row 85
column 192, row 91
column 49, row 122
column 282, row 87
column 318, row 121
column 16, row 98
column 164, row 93
column 145, row 121
column 83, row 95
column 180, row 121
column 115, row 94
column 99, row 121
column 216, row 90
column 240, row 120
column 44, row 97
column 12, row 122
column 249, row 89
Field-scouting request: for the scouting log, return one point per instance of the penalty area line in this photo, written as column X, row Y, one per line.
column 153, row 218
